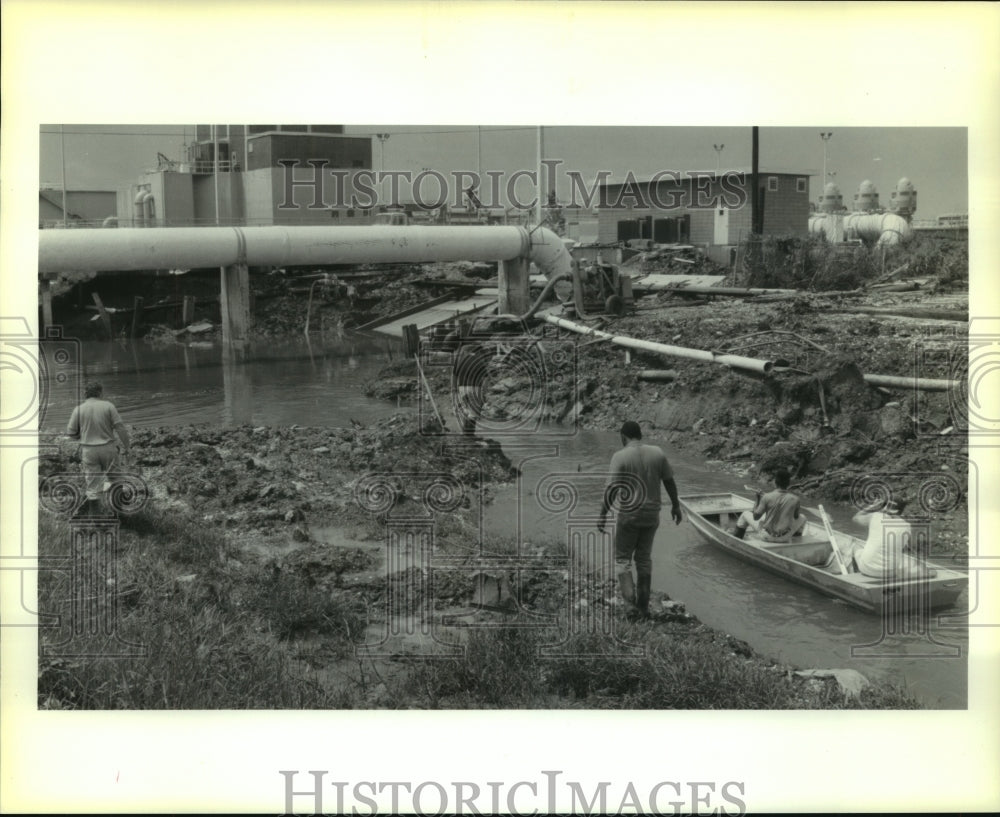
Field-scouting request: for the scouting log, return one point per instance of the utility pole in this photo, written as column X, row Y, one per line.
column 215, row 169
column 62, row 151
column 756, row 217
column 825, row 136
column 382, row 137
column 541, row 155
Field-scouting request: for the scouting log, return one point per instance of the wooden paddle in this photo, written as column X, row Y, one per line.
column 430, row 394
column 833, row 540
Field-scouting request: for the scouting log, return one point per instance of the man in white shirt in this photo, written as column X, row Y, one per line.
column 888, row 536
column 95, row 422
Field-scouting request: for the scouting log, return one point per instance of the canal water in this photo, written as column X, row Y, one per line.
column 320, row 384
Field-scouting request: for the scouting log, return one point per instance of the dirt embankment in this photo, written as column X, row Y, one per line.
column 335, row 299
column 232, row 556
column 842, row 438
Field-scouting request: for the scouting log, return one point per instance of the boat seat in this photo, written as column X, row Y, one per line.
column 805, row 540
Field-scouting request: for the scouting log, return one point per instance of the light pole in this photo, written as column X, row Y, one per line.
column 541, row 168
column 62, row 154
column 718, row 159
column 825, row 136
column 382, row 137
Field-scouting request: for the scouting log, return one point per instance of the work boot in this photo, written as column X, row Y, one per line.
column 643, row 584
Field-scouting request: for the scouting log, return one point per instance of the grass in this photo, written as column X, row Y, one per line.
column 214, row 635
column 503, row 668
column 218, row 634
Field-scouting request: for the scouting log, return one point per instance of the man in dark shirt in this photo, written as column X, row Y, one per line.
column 636, row 473
column 95, row 422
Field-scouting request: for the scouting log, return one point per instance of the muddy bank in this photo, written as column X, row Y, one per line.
column 335, row 299
column 841, row 438
column 307, row 541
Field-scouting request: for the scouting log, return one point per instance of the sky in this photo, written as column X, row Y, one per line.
column 106, row 157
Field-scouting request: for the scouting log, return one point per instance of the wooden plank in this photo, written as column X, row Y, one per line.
column 440, row 313
column 403, row 313
column 655, row 282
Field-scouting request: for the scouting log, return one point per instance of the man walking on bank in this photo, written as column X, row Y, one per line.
column 636, row 472
column 94, row 423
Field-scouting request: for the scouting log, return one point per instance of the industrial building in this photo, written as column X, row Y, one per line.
column 711, row 209
column 84, row 208
column 232, row 175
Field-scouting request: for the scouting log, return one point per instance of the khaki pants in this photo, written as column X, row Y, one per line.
column 98, row 463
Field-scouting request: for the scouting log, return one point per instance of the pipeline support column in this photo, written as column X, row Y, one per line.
column 513, row 281
column 235, row 307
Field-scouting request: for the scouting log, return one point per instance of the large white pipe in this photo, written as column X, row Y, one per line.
column 138, row 214
column 148, row 209
column 879, row 228
column 187, row 247
column 883, row 228
column 733, row 361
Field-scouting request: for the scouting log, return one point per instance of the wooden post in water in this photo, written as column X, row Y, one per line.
column 235, row 308
column 187, row 311
column 411, row 340
column 46, row 304
column 513, row 282
column 136, row 315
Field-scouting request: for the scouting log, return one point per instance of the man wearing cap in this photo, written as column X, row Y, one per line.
column 889, row 534
column 95, row 422
column 636, row 473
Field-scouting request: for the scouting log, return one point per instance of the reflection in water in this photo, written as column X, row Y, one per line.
column 238, row 394
column 280, row 384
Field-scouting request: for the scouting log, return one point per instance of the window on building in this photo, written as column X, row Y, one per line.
column 772, row 183
column 800, row 185
column 335, row 214
column 350, row 212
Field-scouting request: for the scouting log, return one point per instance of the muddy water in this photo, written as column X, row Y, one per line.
column 315, row 385
column 778, row 618
column 307, row 384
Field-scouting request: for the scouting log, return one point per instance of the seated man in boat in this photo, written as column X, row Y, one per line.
column 776, row 516
column 889, row 535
